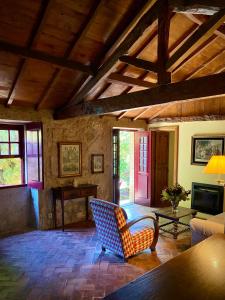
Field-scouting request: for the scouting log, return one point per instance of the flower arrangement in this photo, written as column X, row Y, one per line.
column 175, row 194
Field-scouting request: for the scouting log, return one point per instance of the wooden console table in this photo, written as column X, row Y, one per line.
column 69, row 193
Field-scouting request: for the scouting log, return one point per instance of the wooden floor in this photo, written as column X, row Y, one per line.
column 69, row 265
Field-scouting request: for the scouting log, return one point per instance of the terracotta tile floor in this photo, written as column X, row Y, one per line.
column 69, row 265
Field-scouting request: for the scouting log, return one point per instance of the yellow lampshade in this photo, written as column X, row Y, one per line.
column 216, row 165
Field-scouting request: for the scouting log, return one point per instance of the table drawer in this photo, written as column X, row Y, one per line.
column 88, row 192
column 71, row 194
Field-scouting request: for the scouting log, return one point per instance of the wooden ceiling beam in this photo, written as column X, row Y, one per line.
column 165, row 93
column 161, row 110
column 138, row 52
column 140, row 63
column 44, row 57
column 201, row 35
column 141, row 113
column 172, row 50
column 146, row 20
column 219, row 31
column 123, row 114
column 208, row 62
column 127, row 23
column 163, row 42
column 164, row 17
column 200, row 49
column 128, row 81
column 37, row 28
column 55, row 77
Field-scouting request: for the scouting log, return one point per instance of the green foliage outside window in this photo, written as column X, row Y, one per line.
column 10, row 171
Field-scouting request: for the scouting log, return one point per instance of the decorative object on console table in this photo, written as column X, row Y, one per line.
column 216, row 165
column 175, row 194
column 69, row 193
column 69, row 159
column 204, row 147
column 97, row 163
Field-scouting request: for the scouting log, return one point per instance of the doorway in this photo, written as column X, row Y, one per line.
column 144, row 162
column 126, row 167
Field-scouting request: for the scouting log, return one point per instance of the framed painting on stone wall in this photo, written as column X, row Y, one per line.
column 69, row 159
column 97, row 163
column 203, row 147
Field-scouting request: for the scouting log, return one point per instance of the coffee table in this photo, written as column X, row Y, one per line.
column 166, row 213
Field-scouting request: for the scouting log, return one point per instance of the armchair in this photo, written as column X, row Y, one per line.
column 114, row 231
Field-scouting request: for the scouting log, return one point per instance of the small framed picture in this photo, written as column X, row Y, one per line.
column 97, row 163
column 204, row 147
column 69, row 159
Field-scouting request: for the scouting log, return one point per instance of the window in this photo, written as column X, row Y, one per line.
column 18, row 166
column 11, row 155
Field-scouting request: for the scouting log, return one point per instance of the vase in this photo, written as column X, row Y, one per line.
column 174, row 205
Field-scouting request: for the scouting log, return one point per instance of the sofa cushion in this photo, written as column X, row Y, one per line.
column 202, row 229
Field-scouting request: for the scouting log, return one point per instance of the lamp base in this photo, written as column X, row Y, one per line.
column 220, row 181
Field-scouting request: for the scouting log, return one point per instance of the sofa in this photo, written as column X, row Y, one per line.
column 201, row 229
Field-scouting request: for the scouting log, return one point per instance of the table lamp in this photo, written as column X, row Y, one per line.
column 216, row 165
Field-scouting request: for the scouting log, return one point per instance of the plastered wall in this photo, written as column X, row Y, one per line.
column 187, row 172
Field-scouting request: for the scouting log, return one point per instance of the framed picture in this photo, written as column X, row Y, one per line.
column 204, row 147
column 69, row 159
column 97, row 163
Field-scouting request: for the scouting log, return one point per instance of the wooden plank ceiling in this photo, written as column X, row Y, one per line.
column 55, row 54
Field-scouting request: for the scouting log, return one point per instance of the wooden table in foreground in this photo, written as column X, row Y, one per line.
column 166, row 213
column 196, row 274
column 68, row 193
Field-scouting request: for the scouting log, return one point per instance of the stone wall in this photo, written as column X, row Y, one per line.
column 94, row 133
column 16, row 213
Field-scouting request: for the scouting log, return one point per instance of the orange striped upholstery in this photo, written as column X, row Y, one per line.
column 109, row 219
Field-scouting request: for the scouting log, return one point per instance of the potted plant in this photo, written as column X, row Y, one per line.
column 175, row 194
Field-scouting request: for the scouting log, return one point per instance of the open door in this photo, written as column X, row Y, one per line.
column 159, row 166
column 142, row 168
column 34, row 152
column 116, row 163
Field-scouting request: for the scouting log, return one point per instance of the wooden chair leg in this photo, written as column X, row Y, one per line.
column 152, row 248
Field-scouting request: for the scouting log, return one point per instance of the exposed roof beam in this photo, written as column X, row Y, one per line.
column 208, row 62
column 172, row 50
column 140, row 63
column 219, row 31
column 122, row 115
column 128, row 81
column 205, row 7
column 165, row 93
column 128, row 22
column 146, row 20
column 201, row 35
column 163, row 42
column 141, row 113
column 161, row 110
column 37, row 28
column 86, row 26
column 44, row 57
